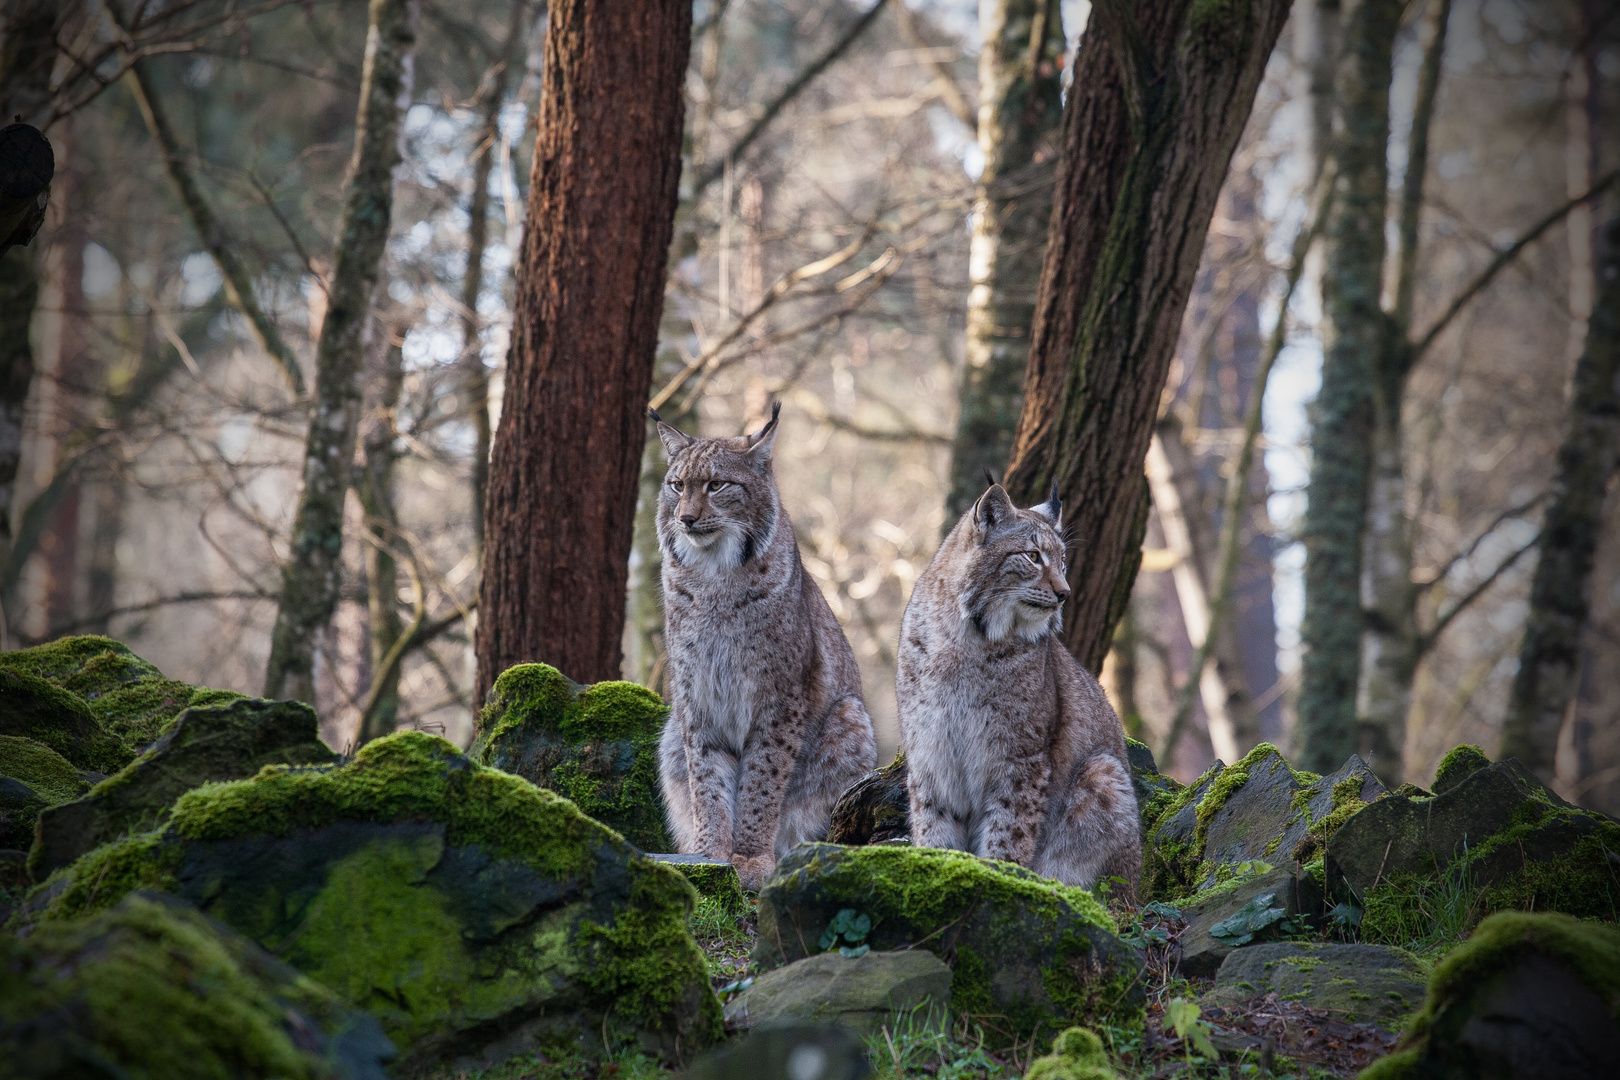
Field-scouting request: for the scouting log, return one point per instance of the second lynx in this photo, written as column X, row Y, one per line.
column 1012, row 750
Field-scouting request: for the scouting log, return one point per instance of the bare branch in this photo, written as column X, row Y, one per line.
column 1496, row 523
column 1427, row 641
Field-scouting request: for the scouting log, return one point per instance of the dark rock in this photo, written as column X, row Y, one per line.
column 1353, row 982
column 32, row 708
column 1154, row 790
column 1202, row 951
column 713, row 878
column 1526, row 997
column 474, row 914
column 594, row 745
column 33, row 778
column 1525, row 846
column 152, row 988
column 877, row 808
column 1025, row 951
column 786, row 1052
column 203, row 745
column 863, row 993
column 1458, row 765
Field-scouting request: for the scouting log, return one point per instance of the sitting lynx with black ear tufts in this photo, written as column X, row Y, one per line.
column 766, row 726
column 1012, row 749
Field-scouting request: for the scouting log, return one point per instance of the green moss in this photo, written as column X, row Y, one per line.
column 612, row 710
column 523, row 694
column 159, row 992
column 61, row 720
column 1346, row 802
column 1077, row 1054
column 717, row 883
column 41, row 768
column 87, row 666
column 1226, row 784
column 106, row 875
column 1458, row 765
column 1582, row 883
column 140, row 713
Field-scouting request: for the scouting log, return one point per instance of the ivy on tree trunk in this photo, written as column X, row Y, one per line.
column 590, row 288
column 1160, row 95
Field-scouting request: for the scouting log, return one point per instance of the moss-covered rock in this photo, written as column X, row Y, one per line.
column 594, row 745
column 1357, row 983
column 231, row 741
column 1027, row 953
column 876, row 809
column 1154, row 791
column 1527, row 995
column 33, row 778
column 1459, row 764
column 474, row 914
column 152, row 990
column 1202, row 950
column 785, row 1052
column 863, row 993
column 1077, row 1054
column 1521, row 844
column 32, row 708
column 712, row 878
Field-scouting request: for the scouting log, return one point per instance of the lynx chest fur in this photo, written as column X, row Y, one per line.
column 767, row 726
column 1012, row 750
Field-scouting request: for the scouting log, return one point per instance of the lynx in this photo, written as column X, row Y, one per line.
column 1012, row 750
column 767, row 726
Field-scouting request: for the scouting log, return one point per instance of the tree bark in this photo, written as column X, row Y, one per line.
column 590, row 286
column 1549, row 655
column 1389, row 638
column 376, row 491
column 1160, row 96
column 1020, row 115
column 1353, row 333
column 311, row 575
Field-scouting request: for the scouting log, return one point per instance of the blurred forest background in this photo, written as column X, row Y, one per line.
column 859, row 234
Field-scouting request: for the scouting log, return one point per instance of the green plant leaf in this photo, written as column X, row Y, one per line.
column 1253, row 917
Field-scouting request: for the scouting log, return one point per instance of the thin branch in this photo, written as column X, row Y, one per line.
column 712, row 172
column 1427, row 641
column 954, row 100
column 1503, row 258
column 1468, row 552
column 153, row 605
column 1417, row 167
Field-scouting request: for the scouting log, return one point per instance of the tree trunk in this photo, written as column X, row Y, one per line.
column 1353, row 333
column 311, row 575
column 1390, row 641
column 376, row 491
column 1160, row 96
column 590, row 287
column 1020, row 113
column 1545, row 684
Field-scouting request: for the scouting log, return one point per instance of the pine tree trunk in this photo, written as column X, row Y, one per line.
column 1390, row 642
column 376, row 490
column 1146, row 149
column 1341, row 438
column 1548, row 658
column 311, row 575
column 1020, row 114
column 590, row 287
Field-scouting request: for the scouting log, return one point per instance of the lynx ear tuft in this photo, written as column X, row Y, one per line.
column 993, row 507
column 759, row 443
column 1052, row 508
column 989, row 477
column 674, row 440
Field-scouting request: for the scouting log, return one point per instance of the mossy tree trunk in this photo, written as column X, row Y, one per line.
column 1354, row 331
column 311, row 575
column 1161, row 93
column 590, row 284
column 1020, row 115
column 1390, row 641
column 375, row 487
column 1549, row 655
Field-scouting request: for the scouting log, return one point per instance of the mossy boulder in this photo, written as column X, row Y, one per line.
column 594, row 745
column 1260, row 809
column 33, row 778
column 714, row 878
column 91, row 700
column 1077, row 1054
column 1459, row 764
column 876, row 809
column 153, row 990
column 1293, row 898
column 786, row 1052
column 217, row 742
column 1154, row 790
column 1356, row 983
column 1526, row 996
column 475, row 915
column 1520, row 844
column 1026, row 953
column 862, row 993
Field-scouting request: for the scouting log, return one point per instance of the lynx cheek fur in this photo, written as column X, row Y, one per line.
column 766, row 727
column 1012, row 749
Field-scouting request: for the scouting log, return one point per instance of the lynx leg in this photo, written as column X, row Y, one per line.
column 1094, row 832
column 766, row 772
column 933, row 823
column 712, row 784
column 845, row 751
column 676, row 781
column 1012, row 816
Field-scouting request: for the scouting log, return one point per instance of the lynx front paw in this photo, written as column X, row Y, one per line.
column 754, row 870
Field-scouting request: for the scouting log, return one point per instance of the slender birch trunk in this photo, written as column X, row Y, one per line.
column 311, row 575
column 1020, row 115
column 1549, row 656
column 375, row 487
column 1353, row 335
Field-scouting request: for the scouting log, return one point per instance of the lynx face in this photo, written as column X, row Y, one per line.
column 1016, row 575
column 718, row 504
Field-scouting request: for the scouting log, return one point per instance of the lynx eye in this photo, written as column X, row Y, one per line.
column 1033, row 556
column 678, row 485
column 716, row 485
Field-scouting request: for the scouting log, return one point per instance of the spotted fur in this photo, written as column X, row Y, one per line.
column 1012, row 750
column 767, row 726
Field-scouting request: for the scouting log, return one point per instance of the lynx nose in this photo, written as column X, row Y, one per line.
column 1061, row 592
column 688, row 519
